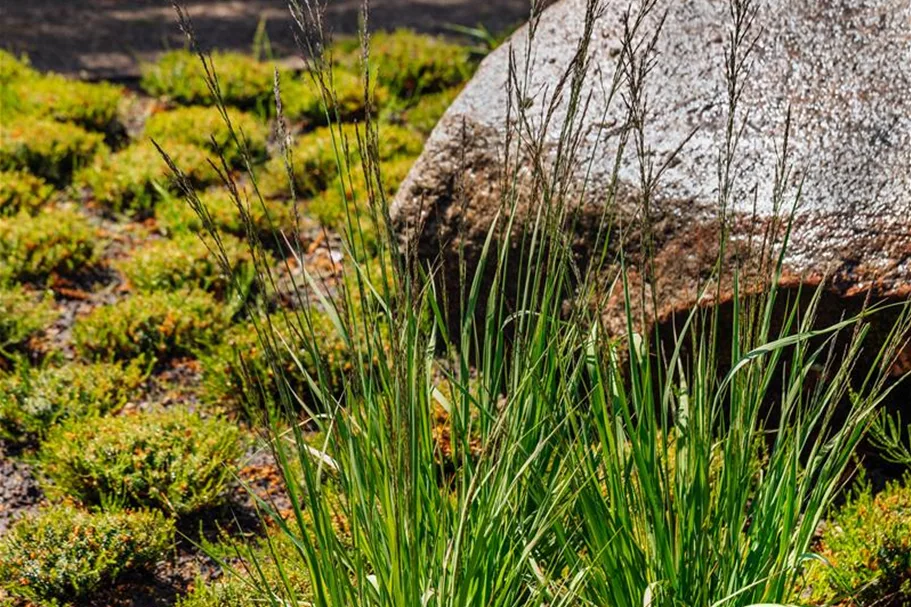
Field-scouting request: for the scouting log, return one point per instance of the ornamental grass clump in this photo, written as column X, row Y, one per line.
column 55, row 242
column 20, row 191
column 132, row 180
column 63, row 554
column 51, row 150
column 171, row 460
column 584, row 466
column 32, row 401
column 205, row 127
column 159, row 324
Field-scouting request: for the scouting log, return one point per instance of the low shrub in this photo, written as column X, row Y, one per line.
column 131, row 179
column 21, row 191
column 186, row 261
column 866, row 546
column 13, row 68
column 49, row 149
column 174, row 215
column 173, row 460
column 160, row 324
column 315, row 163
column 32, row 401
column 57, row 241
column 91, row 106
column 64, row 554
column 302, row 98
column 204, row 127
column 23, row 315
column 179, row 75
column 239, row 368
column 411, row 64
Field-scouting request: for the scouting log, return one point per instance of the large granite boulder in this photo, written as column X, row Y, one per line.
column 842, row 68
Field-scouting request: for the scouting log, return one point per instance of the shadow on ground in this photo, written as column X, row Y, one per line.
column 107, row 38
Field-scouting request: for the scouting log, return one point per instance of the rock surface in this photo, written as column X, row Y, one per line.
column 843, row 68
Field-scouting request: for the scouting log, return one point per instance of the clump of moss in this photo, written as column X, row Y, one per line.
column 21, row 191
column 49, row 149
column 14, row 68
column 131, row 180
column 424, row 115
column 186, row 261
column 302, row 98
column 179, row 75
column 54, row 242
column 160, row 324
column 23, row 315
column 91, row 106
column 867, row 547
column 175, row 215
column 315, row 163
column 411, row 64
column 64, row 554
column 240, row 366
column 205, row 127
column 32, row 401
column 172, row 460
column 345, row 206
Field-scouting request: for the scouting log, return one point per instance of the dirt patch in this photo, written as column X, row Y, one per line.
column 107, row 38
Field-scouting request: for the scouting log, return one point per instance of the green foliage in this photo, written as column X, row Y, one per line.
column 23, row 315
column 57, row 241
column 186, row 261
column 63, row 554
column 302, row 98
column 204, row 127
column 866, row 547
column 278, row 561
column 241, row 367
column 130, row 180
column 159, row 324
column 22, row 191
column 411, row 64
column 179, row 75
column 428, row 110
column 315, row 163
column 49, row 149
column 173, row 460
column 32, row 401
column 91, row 106
column 14, row 68
column 174, row 215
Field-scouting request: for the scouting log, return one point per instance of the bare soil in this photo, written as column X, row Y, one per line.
column 97, row 39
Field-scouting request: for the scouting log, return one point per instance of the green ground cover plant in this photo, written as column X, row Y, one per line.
column 424, row 114
column 158, row 324
column 23, row 315
column 865, row 550
column 32, row 401
column 132, row 179
column 204, row 127
column 56, row 241
column 185, row 261
column 21, row 191
column 302, row 98
column 63, row 554
column 179, row 75
column 410, row 64
column 49, row 149
column 172, row 460
column 89, row 105
column 175, row 216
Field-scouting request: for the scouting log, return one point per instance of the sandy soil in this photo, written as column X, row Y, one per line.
column 107, row 38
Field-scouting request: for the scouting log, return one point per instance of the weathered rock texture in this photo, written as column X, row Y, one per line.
column 842, row 67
